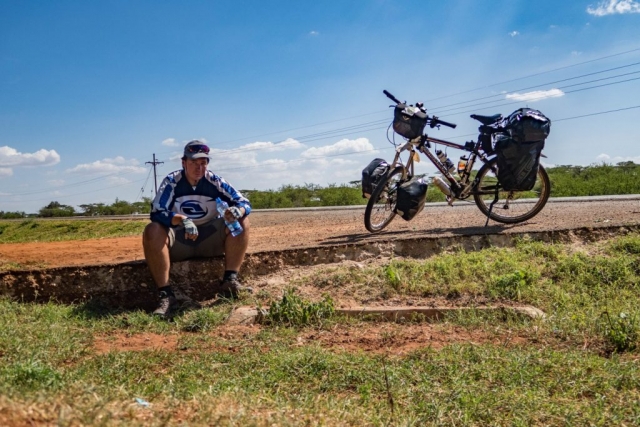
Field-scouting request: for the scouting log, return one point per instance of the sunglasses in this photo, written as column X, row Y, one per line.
column 198, row 149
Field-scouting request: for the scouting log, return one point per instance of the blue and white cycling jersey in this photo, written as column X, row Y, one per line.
column 176, row 195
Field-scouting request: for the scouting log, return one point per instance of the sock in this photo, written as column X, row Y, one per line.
column 228, row 274
column 166, row 290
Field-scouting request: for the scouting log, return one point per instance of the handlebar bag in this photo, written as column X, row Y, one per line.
column 527, row 125
column 411, row 197
column 372, row 175
column 517, row 162
column 408, row 121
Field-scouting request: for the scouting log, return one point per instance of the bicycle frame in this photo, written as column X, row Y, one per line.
column 461, row 189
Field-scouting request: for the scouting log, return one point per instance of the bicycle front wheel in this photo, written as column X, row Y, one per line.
column 382, row 203
column 512, row 206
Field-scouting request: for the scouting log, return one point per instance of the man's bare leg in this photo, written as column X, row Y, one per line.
column 155, row 242
column 235, row 247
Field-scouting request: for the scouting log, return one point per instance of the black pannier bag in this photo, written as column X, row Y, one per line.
column 372, row 175
column 519, row 148
column 517, row 163
column 411, row 198
column 409, row 121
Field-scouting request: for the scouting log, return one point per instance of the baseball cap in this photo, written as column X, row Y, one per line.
column 196, row 150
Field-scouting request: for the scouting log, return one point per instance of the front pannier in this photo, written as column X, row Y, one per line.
column 372, row 175
column 409, row 121
column 411, row 198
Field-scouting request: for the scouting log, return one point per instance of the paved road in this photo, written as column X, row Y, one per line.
column 314, row 227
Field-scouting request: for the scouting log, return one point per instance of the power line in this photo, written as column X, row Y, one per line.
column 540, row 85
column 538, row 74
column 597, row 114
column 561, row 87
column 76, row 194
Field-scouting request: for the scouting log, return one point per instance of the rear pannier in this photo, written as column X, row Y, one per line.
column 411, row 198
column 409, row 121
column 372, row 175
column 518, row 163
column 519, row 147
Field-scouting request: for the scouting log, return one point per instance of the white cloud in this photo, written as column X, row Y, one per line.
column 536, row 95
column 56, row 182
column 313, row 33
column 514, row 33
column 6, row 171
column 287, row 144
column 11, row 157
column 341, row 147
column 334, row 163
column 576, row 53
column 612, row 7
column 170, row 142
column 116, row 165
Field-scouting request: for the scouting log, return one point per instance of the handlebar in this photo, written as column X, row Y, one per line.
column 433, row 120
column 391, row 97
column 436, row 121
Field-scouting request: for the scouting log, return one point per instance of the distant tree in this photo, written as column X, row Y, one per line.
column 90, row 209
column 10, row 215
column 143, row 206
column 341, row 195
column 56, row 209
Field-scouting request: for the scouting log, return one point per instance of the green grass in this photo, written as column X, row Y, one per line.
column 38, row 230
column 578, row 366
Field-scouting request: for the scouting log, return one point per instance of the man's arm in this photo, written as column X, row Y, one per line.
column 233, row 196
column 161, row 205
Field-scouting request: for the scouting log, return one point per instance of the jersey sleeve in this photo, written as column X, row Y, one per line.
column 231, row 195
column 163, row 202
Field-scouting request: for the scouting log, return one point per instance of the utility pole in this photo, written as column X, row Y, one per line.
column 155, row 178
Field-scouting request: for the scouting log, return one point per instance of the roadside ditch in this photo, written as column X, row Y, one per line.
column 129, row 285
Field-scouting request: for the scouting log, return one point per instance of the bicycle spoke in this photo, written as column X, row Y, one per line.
column 511, row 206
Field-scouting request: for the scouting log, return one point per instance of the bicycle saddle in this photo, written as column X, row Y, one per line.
column 487, row 120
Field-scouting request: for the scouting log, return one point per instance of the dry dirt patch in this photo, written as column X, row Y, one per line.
column 134, row 342
column 385, row 338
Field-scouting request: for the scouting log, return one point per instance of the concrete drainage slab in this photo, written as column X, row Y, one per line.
column 248, row 315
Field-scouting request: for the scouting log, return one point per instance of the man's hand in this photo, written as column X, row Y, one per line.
column 190, row 229
column 235, row 211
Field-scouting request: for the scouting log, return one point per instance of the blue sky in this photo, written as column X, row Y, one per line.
column 291, row 92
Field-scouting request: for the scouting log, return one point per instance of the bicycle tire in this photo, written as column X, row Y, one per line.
column 512, row 206
column 382, row 203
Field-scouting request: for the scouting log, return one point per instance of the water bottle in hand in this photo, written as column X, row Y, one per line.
column 234, row 226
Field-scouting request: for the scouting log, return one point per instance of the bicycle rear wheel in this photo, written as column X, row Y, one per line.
column 512, row 206
column 382, row 203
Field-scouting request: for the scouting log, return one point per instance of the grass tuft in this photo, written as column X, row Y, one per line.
column 621, row 331
column 293, row 311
